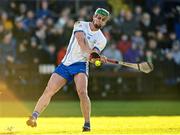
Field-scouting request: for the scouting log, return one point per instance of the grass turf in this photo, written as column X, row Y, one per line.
column 99, row 108
column 100, row 125
column 108, row 117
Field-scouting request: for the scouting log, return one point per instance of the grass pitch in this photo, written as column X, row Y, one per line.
column 108, row 117
column 100, row 125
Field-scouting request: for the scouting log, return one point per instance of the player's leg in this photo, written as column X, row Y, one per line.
column 81, row 82
column 55, row 83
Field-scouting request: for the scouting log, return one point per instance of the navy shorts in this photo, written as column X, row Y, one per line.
column 68, row 72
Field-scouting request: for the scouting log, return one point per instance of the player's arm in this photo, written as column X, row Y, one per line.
column 80, row 37
column 83, row 42
column 98, row 47
column 92, row 54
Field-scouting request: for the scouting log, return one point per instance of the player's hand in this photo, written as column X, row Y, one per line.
column 103, row 59
column 94, row 56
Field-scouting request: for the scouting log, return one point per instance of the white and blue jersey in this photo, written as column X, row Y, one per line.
column 75, row 59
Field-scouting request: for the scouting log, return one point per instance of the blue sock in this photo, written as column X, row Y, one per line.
column 35, row 114
column 87, row 124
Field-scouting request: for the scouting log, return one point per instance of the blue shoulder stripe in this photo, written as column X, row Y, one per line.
column 79, row 31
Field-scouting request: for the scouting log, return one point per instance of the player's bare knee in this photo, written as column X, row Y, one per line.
column 48, row 94
column 82, row 94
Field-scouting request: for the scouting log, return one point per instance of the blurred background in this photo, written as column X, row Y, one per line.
column 34, row 35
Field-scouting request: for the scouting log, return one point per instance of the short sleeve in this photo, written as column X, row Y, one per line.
column 78, row 27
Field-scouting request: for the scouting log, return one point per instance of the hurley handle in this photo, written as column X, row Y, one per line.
column 112, row 61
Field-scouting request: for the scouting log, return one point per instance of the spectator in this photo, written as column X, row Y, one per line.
column 138, row 40
column 63, row 18
column 67, row 31
column 153, row 54
column 132, row 55
column 124, row 44
column 51, row 55
column 13, row 9
column 50, row 30
column 146, row 24
column 40, row 33
column 6, row 22
column 129, row 25
column 171, row 39
column 83, row 14
column 44, row 12
column 107, row 34
column 161, row 40
column 60, row 55
column 130, row 30
column 35, row 52
column 7, row 49
column 158, row 20
column 176, row 52
column 22, row 10
column 19, row 32
column 113, row 53
column 120, row 18
column 23, row 56
column 29, row 21
column 138, row 13
column 116, row 25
